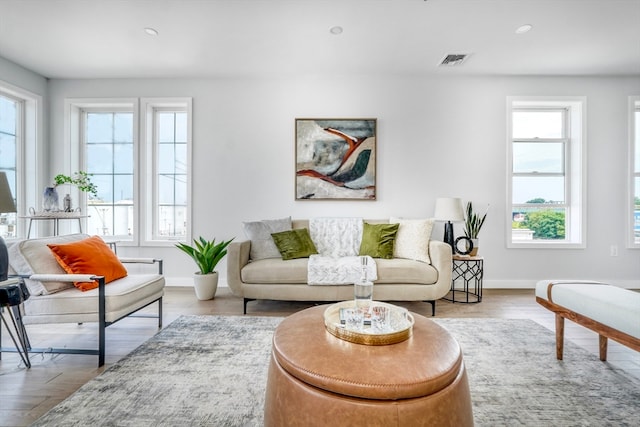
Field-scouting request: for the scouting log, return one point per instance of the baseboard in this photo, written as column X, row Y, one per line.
column 488, row 284
column 183, row 282
column 531, row 284
column 187, row 282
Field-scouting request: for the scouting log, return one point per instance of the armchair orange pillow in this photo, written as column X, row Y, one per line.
column 89, row 256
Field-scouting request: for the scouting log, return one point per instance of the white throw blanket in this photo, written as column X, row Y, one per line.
column 338, row 243
column 338, row 271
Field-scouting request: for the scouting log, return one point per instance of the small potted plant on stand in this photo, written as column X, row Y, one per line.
column 82, row 180
column 472, row 225
column 206, row 254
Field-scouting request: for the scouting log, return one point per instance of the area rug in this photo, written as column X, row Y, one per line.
column 211, row 371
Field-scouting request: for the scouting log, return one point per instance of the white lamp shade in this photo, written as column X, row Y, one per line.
column 6, row 198
column 449, row 209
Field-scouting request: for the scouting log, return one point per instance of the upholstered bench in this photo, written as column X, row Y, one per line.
column 610, row 311
column 317, row 379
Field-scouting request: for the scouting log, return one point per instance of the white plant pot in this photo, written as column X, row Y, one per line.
column 205, row 285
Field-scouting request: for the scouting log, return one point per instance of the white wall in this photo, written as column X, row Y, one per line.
column 19, row 76
column 437, row 136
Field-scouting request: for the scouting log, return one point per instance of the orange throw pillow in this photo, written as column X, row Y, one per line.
column 89, row 256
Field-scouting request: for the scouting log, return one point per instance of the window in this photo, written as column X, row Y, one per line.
column 20, row 154
column 170, row 176
column 545, row 163
column 104, row 143
column 10, row 142
column 167, row 129
column 140, row 164
column 109, row 158
column 634, row 167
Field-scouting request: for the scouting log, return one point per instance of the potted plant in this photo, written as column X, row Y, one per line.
column 80, row 179
column 207, row 254
column 472, row 224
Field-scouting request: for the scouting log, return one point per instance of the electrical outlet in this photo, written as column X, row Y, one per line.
column 614, row 250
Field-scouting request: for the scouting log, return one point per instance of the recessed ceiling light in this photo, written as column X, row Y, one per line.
column 336, row 30
column 151, row 31
column 524, row 29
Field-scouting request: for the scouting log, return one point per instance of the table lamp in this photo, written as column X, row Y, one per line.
column 6, row 205
column 449, row 209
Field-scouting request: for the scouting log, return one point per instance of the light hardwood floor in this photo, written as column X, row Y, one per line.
column 26, row 394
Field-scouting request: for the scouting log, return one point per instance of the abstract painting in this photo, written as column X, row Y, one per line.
column 335, row 159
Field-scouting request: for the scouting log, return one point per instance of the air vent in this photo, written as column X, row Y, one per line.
column 453, row 59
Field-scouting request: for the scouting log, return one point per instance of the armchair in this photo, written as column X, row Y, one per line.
column 54, row 299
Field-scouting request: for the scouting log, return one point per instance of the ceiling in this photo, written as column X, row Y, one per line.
column 210, row 38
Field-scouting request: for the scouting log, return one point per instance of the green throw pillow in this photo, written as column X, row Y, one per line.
column 378, row 240
column 294, row 243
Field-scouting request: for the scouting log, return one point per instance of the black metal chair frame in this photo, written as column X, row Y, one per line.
column 102, row 325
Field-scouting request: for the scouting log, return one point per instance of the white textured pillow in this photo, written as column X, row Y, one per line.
column 336, row 236
column 259, row 232
column 33, row 256
column 412, row 239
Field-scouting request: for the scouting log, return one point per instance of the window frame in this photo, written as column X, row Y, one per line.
column 75, row 155
column 574, row 167
column 19, row 144
column 30, row 156
column 149, row 107
column 634, row 147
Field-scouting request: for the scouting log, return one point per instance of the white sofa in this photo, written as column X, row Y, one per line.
column 54, row 299
column 398, row 279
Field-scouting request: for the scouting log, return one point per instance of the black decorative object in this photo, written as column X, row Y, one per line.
column 449, row 209
column 469, row 245
column 13, row 294
column 448, row 235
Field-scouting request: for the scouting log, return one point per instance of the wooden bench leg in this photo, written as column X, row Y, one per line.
column 559, row 336
column 603, row 347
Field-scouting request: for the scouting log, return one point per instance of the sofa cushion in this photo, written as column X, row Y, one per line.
column 378, row 240
column 412, row 239
column 32, row 256
column 259, row 232
column 294, row 244
column 390, row 271
column 275, row 271
column 89, row 256
column 75, row 306
column 398, row 270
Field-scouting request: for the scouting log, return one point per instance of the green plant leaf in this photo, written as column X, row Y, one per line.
column 206, row 254
column 80, row 179
column 473, row 222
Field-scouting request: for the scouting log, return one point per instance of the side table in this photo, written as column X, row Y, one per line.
column 13, row 293
column 469, row 270
column 55, row 217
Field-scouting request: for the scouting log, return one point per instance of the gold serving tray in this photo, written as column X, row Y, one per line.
column 401, row 325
